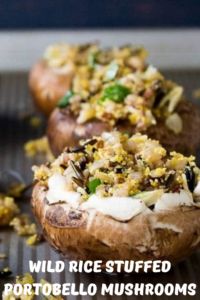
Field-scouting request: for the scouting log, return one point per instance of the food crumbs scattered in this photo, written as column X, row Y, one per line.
column 38, row 146
column 33, row 240
column 23, row 226
column 8, row 210
column 10, row 216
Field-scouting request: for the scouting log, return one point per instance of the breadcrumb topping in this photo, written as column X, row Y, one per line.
column 115, row 84
column 118, row 165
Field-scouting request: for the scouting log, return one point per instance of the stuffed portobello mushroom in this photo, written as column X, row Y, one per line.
column 141, row 101
column 116, row 197
column 51, row 77
column 99, row 90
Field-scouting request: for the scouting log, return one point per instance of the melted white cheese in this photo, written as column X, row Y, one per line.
column 58, row 191
column 168, row 201
column 119, row 208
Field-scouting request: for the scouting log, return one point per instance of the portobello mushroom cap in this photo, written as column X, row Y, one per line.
column 81, row 234
column 48, row 85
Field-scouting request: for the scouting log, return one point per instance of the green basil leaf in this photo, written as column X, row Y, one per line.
column 93, row 184
column 64, row 101
column 116, row 93
column 111, row 71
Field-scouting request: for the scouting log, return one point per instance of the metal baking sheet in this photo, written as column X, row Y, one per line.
column 15, row 106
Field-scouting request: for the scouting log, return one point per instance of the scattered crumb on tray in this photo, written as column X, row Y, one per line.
column 34, row 239
column 23, row 226
column 38, row 146
column 8, row 210
column 10, row 215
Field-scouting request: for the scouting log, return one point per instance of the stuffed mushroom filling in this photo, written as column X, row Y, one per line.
column 121, row 176
column 116, row 84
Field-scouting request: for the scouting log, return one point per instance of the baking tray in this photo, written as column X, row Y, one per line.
column 15, row 106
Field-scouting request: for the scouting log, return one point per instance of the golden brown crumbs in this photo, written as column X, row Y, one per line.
column 23, row 226
column 10, row 215
column 118, row 165
column 38, row 146
column 116, row 84
column 8, row 210
column 33, row 240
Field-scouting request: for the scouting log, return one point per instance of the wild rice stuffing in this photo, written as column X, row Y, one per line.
column 117, row 165
column 115, row 84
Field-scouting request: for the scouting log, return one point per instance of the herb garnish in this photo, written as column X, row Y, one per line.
column 64, row 101
column 115, row 92
column 93, row 184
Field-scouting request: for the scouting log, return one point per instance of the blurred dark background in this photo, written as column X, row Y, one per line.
column 44, row 14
